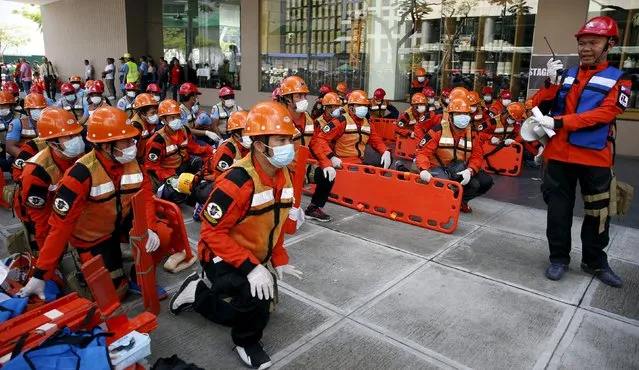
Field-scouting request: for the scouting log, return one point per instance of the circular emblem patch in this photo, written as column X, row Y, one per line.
column 61, row 205
column 423, row 142
column 19, row 163
column 326, row 129
column 223, row 165
column 153, row 157
column 214, row 211
column 35, row 201
column 401, row 124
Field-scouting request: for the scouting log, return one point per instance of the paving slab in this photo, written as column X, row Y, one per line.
column 484, row 209
column 209, row 345
column 344, row 271
column 624, row 244
column 7, row 218
column 619, row 301
column 403, row 236
column 350, row 346
column 470, row 320
column 596, row 342
column 517, row 260
column 193, row 229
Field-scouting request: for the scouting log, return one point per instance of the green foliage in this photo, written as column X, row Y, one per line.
column 10, row 38
column 32, row 13
column 175, row 38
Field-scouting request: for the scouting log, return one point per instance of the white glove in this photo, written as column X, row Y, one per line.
column 153, row 242
column 412, row 135
column 261, row 282
column 35, row 286
column 288, row 269
column 507, row 142
column 337, row 163
column 386, row 159
column 494, row 140
column 539, row 156
column 553, row 66
column 466, row 174
column 173, row 182
column 297, row 215
column 546, row 121
column 425, row 176
column 330, row 173
column 212, row 135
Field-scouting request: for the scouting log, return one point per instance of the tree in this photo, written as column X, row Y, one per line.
column 32, row 13
column 10, row 38
column 175, row 38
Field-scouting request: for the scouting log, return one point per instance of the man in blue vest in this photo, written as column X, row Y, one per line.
column 582, row 103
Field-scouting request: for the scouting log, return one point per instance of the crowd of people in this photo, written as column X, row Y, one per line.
column 78, row 161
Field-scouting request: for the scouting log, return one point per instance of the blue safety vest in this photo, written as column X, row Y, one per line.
column 593, row 94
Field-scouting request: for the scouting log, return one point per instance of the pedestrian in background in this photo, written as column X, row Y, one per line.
column 144, row 73
column 176, row 77
column 50, row 77
column 163, row 78
column 109, row 76
column 25, row 75
column 89, row 72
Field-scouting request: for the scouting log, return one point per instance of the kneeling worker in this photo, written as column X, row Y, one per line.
column 454, row 151
column 242, row 232
column 90, row 211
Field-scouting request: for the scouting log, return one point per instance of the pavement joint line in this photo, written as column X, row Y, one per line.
column 555, row 338
column 310, row 299
column 611, row 315
column 298, row 238
column 571, row 332
column 456, row 244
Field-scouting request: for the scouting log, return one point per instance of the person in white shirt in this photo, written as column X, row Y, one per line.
column 88, row 71
column 109, row 76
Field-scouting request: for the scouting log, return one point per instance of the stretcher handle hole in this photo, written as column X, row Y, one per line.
column 381, row 210
column 448, row 225
column 415, row 218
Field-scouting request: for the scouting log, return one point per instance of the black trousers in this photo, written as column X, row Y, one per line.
column 229, row 302
column 49, row 85
column 478, row 185
column 315, row 175
column 559, row 188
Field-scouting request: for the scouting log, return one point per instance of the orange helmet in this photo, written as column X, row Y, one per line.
column 144, row 100
column 7, row 97
column 418, row 98
column 458, row 92
column 56, row 122
column 473, row 97
column 293, row 85
column 342, row 88
column 35, row 101
column 108, row 124
column 529, row 104
column 269, row 118
column 358, row 97
column 237, row 120
column 516, row 110
column 88, row 84
column 460, row 104
column 420, row 72
column 168, row 107
column 75, row 79
column 331, row 98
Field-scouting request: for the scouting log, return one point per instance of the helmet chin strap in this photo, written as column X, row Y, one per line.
column 598, row 60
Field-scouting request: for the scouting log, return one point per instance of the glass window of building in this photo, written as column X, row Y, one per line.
column 204, row 35
column 625, row 55
column 383, row 43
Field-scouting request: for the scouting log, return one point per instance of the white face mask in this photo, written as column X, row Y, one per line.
column 70, row 98
column 510, row 121
column 76, row 86
column 421, row 108
column 128, row 154
column 156, row 97
column 229, row 103
column 336, row 112
column 431, row 100
column 282, row 155
column 176, row 124
column 96, row 100
column 152, row 119
column 130, row 94
column 505, row 102
column 461, row 121
column 5, row 112
column 361, row 112
column 473, row 108
column 195, row 108
column 488, row 98
column 35, row 114
column 421, row 79
column 73, row 147
column 301, row 106
column 246, row 142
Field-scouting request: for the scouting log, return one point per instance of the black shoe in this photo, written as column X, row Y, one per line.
column 185, row 297
column 316, row 213
column 556, row 271
column 254, row 356
column 606, row 276
column 399, row 166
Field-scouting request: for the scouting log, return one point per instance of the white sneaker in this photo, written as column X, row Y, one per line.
column 185, row 297
column 254, row 356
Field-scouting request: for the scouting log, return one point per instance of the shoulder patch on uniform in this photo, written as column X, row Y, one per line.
column 624, row 97
column 218, row 205
column 238, row 176
column 401, row 124
column 19, row 162
column 422, row 142
column 10, row 127
column 80, row 172
column 152, row 156
column 214, row 211
column 157, row 138
column 326, row 129
column 36, row 196
column 437, row 127
column 222, row 165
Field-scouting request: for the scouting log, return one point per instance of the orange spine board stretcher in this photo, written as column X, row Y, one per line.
column 405, row 147
column 385, row 127
column 399, row 196
column 298, row 183
column 171, row 231
column 505, row 161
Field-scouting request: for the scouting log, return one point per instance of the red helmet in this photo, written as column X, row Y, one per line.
column 95, row 89
column 11, row 87
column 379, row 94
column 188, row 88
column 225, row 91
column 275, row 94
column 153, row 88
column 99, row 84
column 600, row 26
column 130, row 86
column 428, row 92
column 325, row 89
column 487, row 90
column 36, row 89
column 506, row 94
column 66, row 88
column 446, row 93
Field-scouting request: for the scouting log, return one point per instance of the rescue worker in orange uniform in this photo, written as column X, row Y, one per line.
column 344, row 139
column 23, row 130
column 498, row 107
column 172, row 151
column 444, row 100
column 382, row 108
column 417, row 113
column 275, row 95
column 242, row 233
column 533, row 150
column 293, row 93
column 33, row 198
column 95, row 98
column 478, row 112
column 332, row 109
column 92, row 206
column 318, row 108
column 230, row 151
column 8, row 118
column 419, row 82
column 582, row 105
column 145, row 119
column 13, row 88
column 431, row 100
column 76, row 82
column 487, row 97
column 452, row 150
column 342, row 89
column 505, row 127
